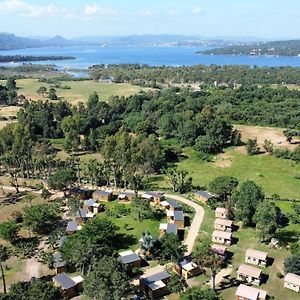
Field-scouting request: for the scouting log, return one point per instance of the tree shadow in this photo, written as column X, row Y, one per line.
column 234, row 241
column 123, row 241
column 228, row 282
column 181, row 234
column 270, row 261
column 287, row 236
column 264, row 278
column 187, row 221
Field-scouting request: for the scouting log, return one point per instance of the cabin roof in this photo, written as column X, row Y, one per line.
column 223, row 222
column 223, row 234
column 256, row 254
column 250, row 293
column 64, row 281
column 205, row 194
column 102, row 193
column 249, row 271
column 169, row 227
column 127, row 257
column 221, row 210
column 292, row 278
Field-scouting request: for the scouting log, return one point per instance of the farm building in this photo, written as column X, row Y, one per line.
column 245, row 292
column 69, row 286
column 249, row 274
column 168, row 228
column 130, row 259
column 203, row 196
column 221, row 213
column 292, row 282
column 223, row 224
column 256, row 257
column 103, row 195
column 222, row 237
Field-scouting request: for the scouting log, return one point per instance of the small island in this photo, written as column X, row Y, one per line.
column 29, row 58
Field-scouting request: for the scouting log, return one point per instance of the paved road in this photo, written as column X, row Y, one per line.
column 196, row 223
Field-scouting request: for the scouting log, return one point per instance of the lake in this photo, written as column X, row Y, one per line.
column 169, row 56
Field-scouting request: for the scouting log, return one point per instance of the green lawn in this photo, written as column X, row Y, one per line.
column 275, row 175
column 80, row 90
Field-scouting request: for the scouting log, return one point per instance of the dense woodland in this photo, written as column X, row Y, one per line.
column 21, row 58
column 199, row 74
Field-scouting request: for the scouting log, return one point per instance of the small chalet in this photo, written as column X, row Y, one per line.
column 245, row 292
column 155, row 285
column 83, row 215
column 221, row 213
column 59, row 265
column 249, row 274
column 168, row 228
column 70, row 287
column 222, row 237
column 203, row 196
column 190, row 270
column 176, row 217
column 130, row 259
column 154, row 197
column 256, row 257
column 127, row 196
column 101, row 195
column 220, row 250
column 80, row 193
column 72, row 227
column 171, row 205
column 223, row 224
column 92, row 206
column 292, row 282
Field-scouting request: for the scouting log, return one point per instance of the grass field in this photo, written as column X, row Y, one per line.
column 275, row 175
column 80, row 90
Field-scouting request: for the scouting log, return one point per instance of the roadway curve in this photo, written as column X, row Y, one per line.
column 196, row 223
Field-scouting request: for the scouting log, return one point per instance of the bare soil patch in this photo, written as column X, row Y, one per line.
column 223, row 160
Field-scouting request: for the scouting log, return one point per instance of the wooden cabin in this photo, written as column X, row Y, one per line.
column 70, row 287
column 93, row 206
column 80, row 193
column 249, row 274
column 130, row 260
column 72, row 227
column 59, row 265
column 154, row 197
column 102, row 195
column 223, row 224
column 171, row 205
column 176, row 217
column 222, row 237
column 203, row 196
column 292, row 282
column 168, row 228
column 255, row 257
column 127, row 196
column 190, row 270
column 83, row 215
column 220, row 250
column 245, row 292
column 221, row 213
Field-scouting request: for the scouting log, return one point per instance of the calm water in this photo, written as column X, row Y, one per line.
column 171, row 56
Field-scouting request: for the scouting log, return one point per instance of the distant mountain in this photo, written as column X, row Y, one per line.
column 277, row 48
column 10, row 41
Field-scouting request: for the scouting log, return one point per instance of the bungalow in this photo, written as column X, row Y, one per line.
column 203, row 196
column 190, row 270
column 72, row 227
column 222, row 237
column 176, row 217
column 155, row 285
column 59, row 265
column 155, row 197
column 80, row 193
column 168, row 228
column 171, row 205
column 69, row 286
column 245, row 292
column 256, row 257
column 92, row 206
column 249, row 274
column 223, row 224
column 103, row 195
column 127, row 196
column 221, row 213
column 220, row 250
column 130, row 259
column 292, row 282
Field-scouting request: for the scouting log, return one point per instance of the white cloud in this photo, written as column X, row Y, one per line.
column 29, row 10
column 197, row 10
column 94, row 9
column 174, row 13
column 146, row 13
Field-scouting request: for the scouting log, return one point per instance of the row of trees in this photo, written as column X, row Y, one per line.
column 8, row 94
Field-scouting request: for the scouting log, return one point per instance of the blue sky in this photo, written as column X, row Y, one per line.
column 71, row 18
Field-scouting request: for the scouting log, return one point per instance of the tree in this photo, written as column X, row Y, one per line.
column 265, row 218
column 171, row 247
column 71, row 126
column 295, row 247
column 107, row 280
column 45, row 194
column 223, row 186
column 177, row 283
column 11, row 83
column 62, row 180
column 179, row 181
column 252, row 147
column 197, row 293
column 9, row 231
column 141, row 209
column 292, row 264
column 246, row 200
column 41, row 218
column 96, row 239
column 52, row 94
column 42, row 91
column 268, row 146
column 4, row 255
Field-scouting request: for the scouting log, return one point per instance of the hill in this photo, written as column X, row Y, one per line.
column 281, row 48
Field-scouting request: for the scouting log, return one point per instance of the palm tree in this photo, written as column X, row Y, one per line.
column 4, row 255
